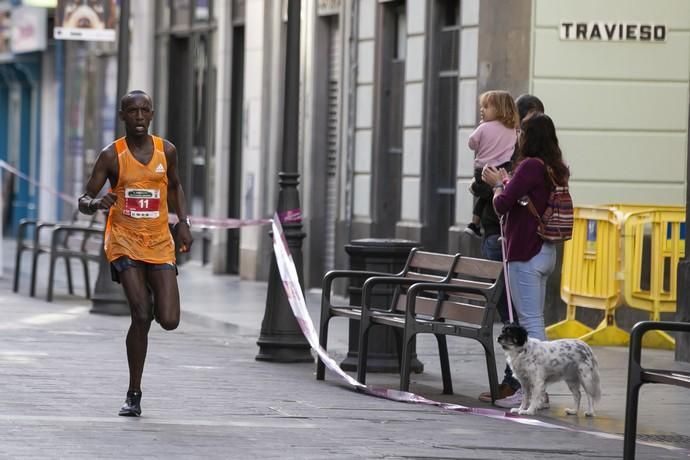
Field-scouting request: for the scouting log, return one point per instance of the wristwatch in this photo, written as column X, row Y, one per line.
column 187, row 221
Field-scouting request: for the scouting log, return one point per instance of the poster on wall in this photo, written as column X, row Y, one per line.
column 89, row 20
column 28, row 29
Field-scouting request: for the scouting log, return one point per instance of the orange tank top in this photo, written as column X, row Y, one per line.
column 137, row 224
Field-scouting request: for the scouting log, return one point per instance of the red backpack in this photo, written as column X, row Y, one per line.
column 556, row 224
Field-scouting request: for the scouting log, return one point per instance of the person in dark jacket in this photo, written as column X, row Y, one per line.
column 491, row 249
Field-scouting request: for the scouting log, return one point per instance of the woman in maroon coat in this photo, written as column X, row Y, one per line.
column 530, row 259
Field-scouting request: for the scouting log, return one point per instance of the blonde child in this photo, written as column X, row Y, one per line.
column 493, row 143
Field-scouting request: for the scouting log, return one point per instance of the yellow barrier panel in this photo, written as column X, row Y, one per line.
column 621, row 254
column 653, row 239
column 627, row 208
column 590, row 276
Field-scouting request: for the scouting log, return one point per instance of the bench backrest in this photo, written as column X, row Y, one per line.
column 427, row 267
column 86, row 242
column 475, row 309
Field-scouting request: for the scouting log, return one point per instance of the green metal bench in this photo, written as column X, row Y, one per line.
column 421, row 266
column 639, row 375
column 463, row 305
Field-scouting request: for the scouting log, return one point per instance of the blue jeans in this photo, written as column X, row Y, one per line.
column 528, row 289
column 491, row 248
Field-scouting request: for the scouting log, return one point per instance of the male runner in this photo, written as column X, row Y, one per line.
column 142, row 171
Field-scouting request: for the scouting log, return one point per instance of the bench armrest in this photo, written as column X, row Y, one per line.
column 24, row 223
column 43, row 225
column 66, row 228
column 387, row 280
column 37, row 232
column 639, row 329
column 329, row 277
column 23, row 227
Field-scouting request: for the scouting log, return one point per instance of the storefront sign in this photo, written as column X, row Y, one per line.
column 613, row 31
column 28, row 29
column 95, row 20
column 328, row 7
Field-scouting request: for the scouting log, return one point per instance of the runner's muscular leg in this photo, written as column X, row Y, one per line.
column 166, row 297
column 133, row 281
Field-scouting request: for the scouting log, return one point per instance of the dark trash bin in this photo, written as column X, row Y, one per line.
column 387, row 256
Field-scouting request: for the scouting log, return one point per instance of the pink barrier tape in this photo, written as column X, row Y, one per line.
column 63, row 196
column 293, row 291
column 209, row 222
column 291, row 215
column 199, row 222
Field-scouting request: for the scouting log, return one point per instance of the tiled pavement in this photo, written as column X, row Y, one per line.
column 63, row 376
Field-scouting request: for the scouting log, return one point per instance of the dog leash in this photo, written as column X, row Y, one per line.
column 504, row 251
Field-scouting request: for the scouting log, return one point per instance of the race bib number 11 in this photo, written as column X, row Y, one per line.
column 142, row 203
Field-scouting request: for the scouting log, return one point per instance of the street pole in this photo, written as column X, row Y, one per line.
column 2, row 221
column 108, row 298
column 683, row 284
column 280, row 339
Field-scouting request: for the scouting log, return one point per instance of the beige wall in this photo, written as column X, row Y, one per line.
column 621, row 108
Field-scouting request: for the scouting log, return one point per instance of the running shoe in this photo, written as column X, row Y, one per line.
column 132, row 405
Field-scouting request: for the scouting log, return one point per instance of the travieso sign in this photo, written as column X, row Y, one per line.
column 613, row 31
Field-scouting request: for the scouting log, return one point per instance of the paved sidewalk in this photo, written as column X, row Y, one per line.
column 64, row 375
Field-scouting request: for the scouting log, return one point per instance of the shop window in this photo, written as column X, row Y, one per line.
column 181, row 13
column 450, row 13
column 400, row 33
column 202, row 10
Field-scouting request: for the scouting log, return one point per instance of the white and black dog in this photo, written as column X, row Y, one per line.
column 537, row 363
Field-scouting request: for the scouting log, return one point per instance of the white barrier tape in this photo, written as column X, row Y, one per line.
column 63, row 196
column 229, row 223
column 293, row 291
column 199, row 222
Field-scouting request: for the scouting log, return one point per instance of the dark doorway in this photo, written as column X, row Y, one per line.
column 391, row 43
column 442, row 126
column 236, row 136
column 180, row 102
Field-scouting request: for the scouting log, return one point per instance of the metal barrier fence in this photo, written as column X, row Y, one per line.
column 620, row 254
column 654, row 243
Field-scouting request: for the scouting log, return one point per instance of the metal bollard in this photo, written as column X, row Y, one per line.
column 387, row 256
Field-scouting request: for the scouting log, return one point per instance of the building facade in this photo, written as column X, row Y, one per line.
column 416, row 69
column 388, row 97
